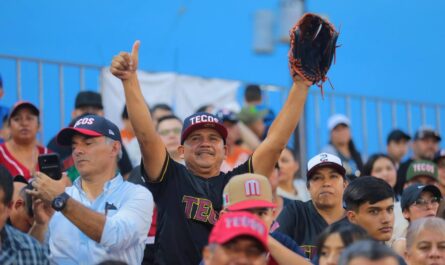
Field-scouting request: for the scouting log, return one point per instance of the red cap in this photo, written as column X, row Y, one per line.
column 235, row 224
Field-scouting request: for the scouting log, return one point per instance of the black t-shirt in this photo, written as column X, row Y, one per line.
column 301, row 221
column 188, row 207
column 401, row 176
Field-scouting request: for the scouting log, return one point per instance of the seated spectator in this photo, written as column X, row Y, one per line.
column 342, row 145
column 16, row 247
column 19, row 154
column 422, row 171
column 334, row 239
column 368, row 252
column 397, row 145
column 425, row 242
column 254, row 194
column 253, row 119
column 160, row 110
column 304, row 221
column 101, row 216
column 86, row 102
column 253, row 96
column 289, row 187
column 236, row 154
column 369, row 203
column 237, row 238
column 418, row 201
column 425, row 145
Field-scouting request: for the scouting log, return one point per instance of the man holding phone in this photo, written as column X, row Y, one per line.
column 101, row 216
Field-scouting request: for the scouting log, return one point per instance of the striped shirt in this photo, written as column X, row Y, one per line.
column 18, row 248
column 128, row 209
column 13, row 165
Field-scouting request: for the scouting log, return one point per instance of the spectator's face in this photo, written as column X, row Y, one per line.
column 326, row 187
column 428, row 248
column 425, row 148
column 4, row 209
column 425, row 206
column 383, row 168
column 288, row 166
column 366, row 261
column 377, row 219
column 233, row 133
column 24, row 126
column 159, row 113
column 340, row 135
column 241, row 250
column 441, row 169
column 397, row 150
column 265, row 214
column 93, row 155
column 204, row 151
column 170, row 132
column 331, row 250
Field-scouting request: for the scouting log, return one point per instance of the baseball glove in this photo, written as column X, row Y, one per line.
column 312, row 47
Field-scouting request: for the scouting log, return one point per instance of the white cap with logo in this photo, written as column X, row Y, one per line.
column 324, row 160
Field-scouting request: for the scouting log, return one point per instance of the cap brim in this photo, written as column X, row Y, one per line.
column 221, row 129
column 65, row 136
column 231, row 235
column 251, row 204
column 340, row 169
column 433, row 189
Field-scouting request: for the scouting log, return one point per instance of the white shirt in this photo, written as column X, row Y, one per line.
column 128, row 218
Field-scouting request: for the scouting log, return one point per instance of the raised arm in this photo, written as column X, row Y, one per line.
column 268, row 152
column 153, row 151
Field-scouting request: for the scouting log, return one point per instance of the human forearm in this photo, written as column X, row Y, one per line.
column 283, row 255
column 38, row 231
column 91, row 223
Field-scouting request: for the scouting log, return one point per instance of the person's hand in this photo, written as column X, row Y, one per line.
column 124, row 65
column 299, row 81
column 42, row 212
column 45, row 188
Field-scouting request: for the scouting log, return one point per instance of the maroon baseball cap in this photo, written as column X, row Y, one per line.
column 235, row 224
column 202, row 120
column 21, row 105
column 89, row 125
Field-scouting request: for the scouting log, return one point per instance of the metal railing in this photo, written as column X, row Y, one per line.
column 41, row 63
column 317, row 109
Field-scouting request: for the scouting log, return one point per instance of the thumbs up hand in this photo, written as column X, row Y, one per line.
column 124, row 65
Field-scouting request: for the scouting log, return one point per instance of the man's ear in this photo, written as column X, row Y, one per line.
column 18, row 203
column 181, row 151
column 406, row 214
column 352, row 216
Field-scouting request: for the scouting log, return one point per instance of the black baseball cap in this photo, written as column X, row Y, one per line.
column 427, row 132
column 202, row 120
column 89, row 125
column 412, row 193
column 397, row 135
column 22, row 105
column 88, row 99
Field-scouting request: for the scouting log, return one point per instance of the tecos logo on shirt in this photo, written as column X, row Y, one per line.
column 84, row 121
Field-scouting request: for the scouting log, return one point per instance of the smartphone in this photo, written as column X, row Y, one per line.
column 50, row 165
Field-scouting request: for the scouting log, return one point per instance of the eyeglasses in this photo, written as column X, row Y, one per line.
column 166, row 132
column 422, row 203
